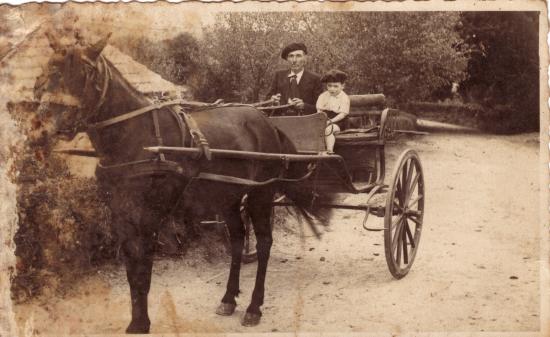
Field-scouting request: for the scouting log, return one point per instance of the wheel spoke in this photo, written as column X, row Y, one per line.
column 409, row 235
column 409, row 172
column 404, row 174
column 415, row 181
column 399, row 207
column 398, row 257
column 399, row 192
column 414, row 218
column 404, row 239
column 397, row 221
column 397, row 234
column 410, row 191
column 415, row 201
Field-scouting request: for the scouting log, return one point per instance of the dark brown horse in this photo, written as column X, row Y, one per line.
column 80, row 90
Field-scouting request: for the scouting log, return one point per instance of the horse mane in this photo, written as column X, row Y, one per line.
column 126, row 84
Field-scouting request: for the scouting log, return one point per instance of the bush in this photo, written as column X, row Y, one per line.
column 64, row 230
column 503, row 68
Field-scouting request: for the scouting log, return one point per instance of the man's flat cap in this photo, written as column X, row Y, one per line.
column 293, row 47
column 334, row 76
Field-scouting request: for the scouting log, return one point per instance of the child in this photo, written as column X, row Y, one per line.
column 335, row 103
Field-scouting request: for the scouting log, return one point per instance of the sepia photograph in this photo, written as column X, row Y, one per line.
column 274, row 168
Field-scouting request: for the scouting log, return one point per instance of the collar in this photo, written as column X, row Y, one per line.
column 337, row 96
column 298, row 75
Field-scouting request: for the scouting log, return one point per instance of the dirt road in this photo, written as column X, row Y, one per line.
column 477, row 267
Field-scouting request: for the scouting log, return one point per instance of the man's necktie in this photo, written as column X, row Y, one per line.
column 293, row 93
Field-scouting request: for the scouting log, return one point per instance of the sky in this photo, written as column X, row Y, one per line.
column 160, row 21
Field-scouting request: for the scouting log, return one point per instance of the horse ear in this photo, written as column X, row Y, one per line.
column 54, row 41
column 93, row 51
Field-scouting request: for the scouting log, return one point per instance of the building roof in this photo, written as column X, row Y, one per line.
column 139, row 76
column 20, row 67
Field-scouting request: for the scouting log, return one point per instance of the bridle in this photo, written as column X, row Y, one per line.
column 92, row 70
column 100, row 66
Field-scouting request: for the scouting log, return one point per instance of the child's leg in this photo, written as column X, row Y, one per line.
column 331, row 139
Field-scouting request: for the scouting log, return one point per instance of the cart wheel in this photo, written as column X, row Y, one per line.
column 249, row 251
column 404, row 214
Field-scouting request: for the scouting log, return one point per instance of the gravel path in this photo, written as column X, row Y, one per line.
column 477, row 268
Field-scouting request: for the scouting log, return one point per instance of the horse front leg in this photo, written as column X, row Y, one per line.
column 260, row 214
column 236, row 234
column 138, row 253
column 139, row 263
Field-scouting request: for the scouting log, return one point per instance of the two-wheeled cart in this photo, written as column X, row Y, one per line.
column 358, row 166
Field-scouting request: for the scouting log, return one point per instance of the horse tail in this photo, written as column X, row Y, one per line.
column 304, row 197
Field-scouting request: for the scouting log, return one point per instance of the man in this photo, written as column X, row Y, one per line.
column 296, row 85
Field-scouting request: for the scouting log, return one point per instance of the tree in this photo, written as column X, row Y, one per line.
column 241, row 52
column 503, row 71
column 174, row 59
column 404, row 55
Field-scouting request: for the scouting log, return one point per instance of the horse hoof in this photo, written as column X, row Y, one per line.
column 138, row 328
column 251, row 319
column 226, row 309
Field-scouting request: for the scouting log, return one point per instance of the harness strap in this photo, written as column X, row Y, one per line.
column 106, row 80
column 176, row 113
column 147, row 167
column 61, row 99
column 158, row 136
column 196, row 134
column 148, row 108
column 194, row 130
column 249, row 182
column 232, row 180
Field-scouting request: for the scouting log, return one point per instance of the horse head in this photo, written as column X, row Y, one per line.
column 70, row 89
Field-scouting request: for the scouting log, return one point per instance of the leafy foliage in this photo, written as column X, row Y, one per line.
column 503, row 71
column 404, row 55
column 175, row 59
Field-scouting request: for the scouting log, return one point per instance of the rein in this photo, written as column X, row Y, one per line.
column 141, row 111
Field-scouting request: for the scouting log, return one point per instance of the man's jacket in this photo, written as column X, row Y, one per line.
column 309, row 89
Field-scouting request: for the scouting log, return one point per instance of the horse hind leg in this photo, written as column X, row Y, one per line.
column 236, row 233
column 260, row 213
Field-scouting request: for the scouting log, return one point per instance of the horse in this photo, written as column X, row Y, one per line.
column 81, row 91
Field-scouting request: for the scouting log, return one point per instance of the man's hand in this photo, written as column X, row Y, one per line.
column 276, row 98
column 298, row 102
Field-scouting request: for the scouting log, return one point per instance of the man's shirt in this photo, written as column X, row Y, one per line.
column 298, row 76
column 309, row 87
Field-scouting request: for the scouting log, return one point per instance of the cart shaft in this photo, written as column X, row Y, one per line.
column 247, row 155
column 375, row 210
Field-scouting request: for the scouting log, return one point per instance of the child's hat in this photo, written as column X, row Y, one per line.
column 334, row 75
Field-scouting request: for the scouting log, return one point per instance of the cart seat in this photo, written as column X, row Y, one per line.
column 358, row 136
column 307, row 133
